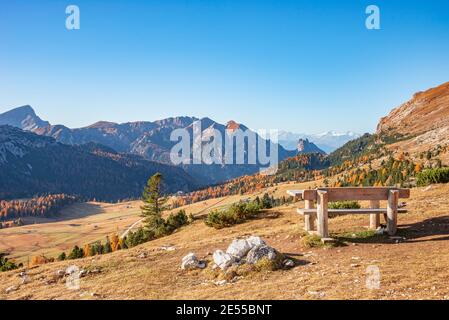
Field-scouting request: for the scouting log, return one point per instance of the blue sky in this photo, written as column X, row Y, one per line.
column 303, row 66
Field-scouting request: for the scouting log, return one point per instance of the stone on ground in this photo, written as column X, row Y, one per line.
column 190, row 261
column 259, row 252
column 239, row 248
column 222, row 259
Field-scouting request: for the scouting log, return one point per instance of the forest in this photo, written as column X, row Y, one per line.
column 43, row 206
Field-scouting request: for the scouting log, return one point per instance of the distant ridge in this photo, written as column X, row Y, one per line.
column 148, row 139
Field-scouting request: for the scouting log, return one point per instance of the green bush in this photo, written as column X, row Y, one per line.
column 344, row 205
column 6, row 264
column 177, row 220
column 430, row 176
column 235, row 214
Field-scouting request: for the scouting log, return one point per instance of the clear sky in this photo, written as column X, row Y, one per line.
column 302, row 66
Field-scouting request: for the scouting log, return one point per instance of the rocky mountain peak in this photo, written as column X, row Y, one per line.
column 22, row 117
column 305, row 146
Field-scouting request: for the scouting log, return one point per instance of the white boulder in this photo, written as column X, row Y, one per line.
column 222, row 259
column 239, row 248
column 190, row 261
column 255, row 241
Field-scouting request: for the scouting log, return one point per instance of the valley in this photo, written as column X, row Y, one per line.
column 149, row 271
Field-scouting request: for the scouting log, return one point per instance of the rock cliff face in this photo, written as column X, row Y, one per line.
column 305, row 146
column 426, row 111
column 421, row 124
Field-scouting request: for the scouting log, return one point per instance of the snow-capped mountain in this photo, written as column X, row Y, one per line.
column 327, row 141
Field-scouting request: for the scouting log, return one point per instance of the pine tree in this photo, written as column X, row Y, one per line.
column 154, row 206
column 107, row 246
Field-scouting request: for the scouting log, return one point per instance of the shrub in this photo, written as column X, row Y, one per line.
column 38, row 260
column 430, row 176
column 237, row 213
column 312, row 241
column 344, row 205
column 76, row 253
column 177, row 220
column 6, row 264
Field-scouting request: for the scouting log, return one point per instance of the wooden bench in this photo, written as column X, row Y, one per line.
column 322, row 196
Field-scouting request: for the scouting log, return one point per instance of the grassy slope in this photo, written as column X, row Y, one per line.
column 415, row 268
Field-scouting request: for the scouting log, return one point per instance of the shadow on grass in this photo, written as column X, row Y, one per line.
column 413, row 232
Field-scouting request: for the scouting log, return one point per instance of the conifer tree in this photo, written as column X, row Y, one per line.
column 153, row 206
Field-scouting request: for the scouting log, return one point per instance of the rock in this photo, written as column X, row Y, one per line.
column 239, row 248
column 289, row 263
column 22, row 274
column 221, row 282
column 255, row 241
column 222, row 259
column 168, row 248
column 316, row 293
column 380, row 231
column 60, row 273
column 71, row 269
column 11, row 289
column 26, row 279
column 143, row 255
column 354, row 265
column 259, row 252
column 190, row 261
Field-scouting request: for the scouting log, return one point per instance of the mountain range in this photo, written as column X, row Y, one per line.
column 31, row 164
column 150, row 141
column 327, row 141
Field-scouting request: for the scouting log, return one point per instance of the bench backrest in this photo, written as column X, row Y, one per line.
column 363, row 193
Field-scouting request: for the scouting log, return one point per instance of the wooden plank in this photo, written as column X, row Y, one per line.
column 307, row 194
column 348, row 211
column 374, row 218
column 392, row 212
column 297, row 194
column 309, row 219
column 322, row 214
column 365, row 193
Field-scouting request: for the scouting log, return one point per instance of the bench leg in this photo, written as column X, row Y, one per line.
column 322, row 214
column 392, row 212
column 309, row 219
column 374, row 219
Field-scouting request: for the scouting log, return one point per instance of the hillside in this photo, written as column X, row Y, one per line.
column 150, row 272
column 426, row 111
column 31, row 164
column 420, row 125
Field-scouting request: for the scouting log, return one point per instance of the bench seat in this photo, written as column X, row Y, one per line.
column 348, row 211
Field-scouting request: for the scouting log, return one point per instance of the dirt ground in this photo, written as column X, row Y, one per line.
column 414, row 267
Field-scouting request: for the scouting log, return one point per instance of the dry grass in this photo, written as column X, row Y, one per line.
column 416, row 267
